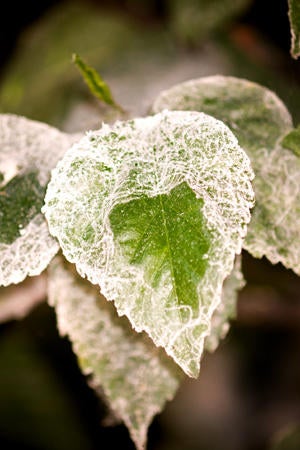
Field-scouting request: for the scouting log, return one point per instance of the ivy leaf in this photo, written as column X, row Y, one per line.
column 291, row 141
column 226, row 310
column 29, row 150
column 294, row 17
column 136, row 377
column 95, row 83
column 154, row 211
column 260, row 121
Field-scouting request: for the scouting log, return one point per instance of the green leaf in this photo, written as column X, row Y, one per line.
column 294, row 16
column 182, row 171
column 28, row 152
column 153, row 233
column 291, row 141
column 96, row 84
column 136, row 377
column 260, row 121
column 20, row 201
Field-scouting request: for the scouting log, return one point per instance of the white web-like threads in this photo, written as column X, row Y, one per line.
column 29, row 146
column 150, row 157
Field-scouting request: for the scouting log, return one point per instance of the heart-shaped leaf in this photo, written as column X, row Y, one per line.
column 29, row 150
column 137, row 377
column 154, row 211
column 260, row 121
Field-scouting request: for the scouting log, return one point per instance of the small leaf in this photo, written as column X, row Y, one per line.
column 154, row 211
column 96, row 84
column 136, row 377
column 294, row 16
column 28, row 152
column 291, row 141
column 260, row 121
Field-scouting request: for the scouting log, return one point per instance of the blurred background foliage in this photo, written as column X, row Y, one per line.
column 248, row 393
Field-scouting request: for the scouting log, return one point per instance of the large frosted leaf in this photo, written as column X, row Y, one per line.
column 137, row 377
column 259, row 120
column 154, row 211
column 28, row 151
column 294, row 16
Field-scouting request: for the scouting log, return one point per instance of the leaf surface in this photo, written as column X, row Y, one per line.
column 294, row 16
column 29, row 150
column 154, row 211
column 263, row 126
column 137, row 377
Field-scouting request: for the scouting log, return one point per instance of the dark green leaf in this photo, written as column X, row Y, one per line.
column 20, row 201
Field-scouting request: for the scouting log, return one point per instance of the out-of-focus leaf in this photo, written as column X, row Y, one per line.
column 96, row 84
column 294, row 16
column 291, row 141
column 194, row 20
column 254, row 113
column 154, row 211
column 28, row 152
column 260, row 120
column 137, row 377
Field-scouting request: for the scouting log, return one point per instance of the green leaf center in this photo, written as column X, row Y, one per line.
column 166, row 234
